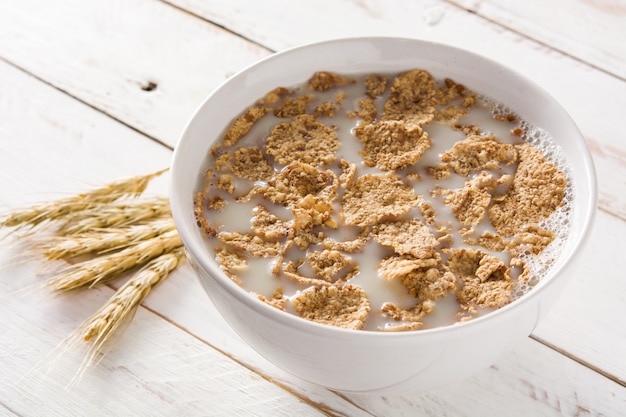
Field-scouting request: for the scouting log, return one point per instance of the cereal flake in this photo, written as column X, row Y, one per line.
column 412, row 98
column 392, row 144
column 242, row 125
column 367, row 110
column 277, row 300
column 325, row 109
column 302, row 139
column 324, row 81
column 413, row 314
column 266, row 225
column 225, row 182
column 332, row 265
column 530, row 239
column 408, row 237
column 449, row 91
column 296, row 181
column 344, row 306
column 250, row 244
column 375, row 85
column 478, row 153
column 426, row 279
column 231, row 263
column 469, row 204
column 349, row 246
column 486, row 279
column 291, row 107
column 250, row 163
column 487, row 240
column 537, row 191
column 371, row 198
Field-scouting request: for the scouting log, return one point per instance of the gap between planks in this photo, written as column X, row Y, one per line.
column 224, row 28
column 586, row 364
column 618, row 216
column 6, row 409
column 86, row 103
column 332, row 413
column 537, row 41
column 319, row 406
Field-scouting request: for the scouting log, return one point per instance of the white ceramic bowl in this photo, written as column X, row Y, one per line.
column 367, row 361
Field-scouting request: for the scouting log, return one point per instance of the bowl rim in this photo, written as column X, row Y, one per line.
column 185, row 221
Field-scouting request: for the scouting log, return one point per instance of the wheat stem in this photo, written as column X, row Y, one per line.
column 117, row 214
column 55, row 210
column 100, row 327
column 98, row 241
column 94, row 271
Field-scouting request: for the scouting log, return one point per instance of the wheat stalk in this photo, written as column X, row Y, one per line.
column 97, row 241
column 109, row 317
column 99, row 329
column 117, row 235
column 94, row 271
column 58, row 209
column 114, row 215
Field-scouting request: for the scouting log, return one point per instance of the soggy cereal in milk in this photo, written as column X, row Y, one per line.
column 387, row 202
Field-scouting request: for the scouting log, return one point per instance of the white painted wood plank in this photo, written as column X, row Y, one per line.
column 51, row 144
column 588, row 318
column 532, row 381
column 105, row 52
column 5, row 412
column 593, row 31
column 160, row 371
column 591, row 96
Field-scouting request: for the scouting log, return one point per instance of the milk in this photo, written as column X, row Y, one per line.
column 258, row 278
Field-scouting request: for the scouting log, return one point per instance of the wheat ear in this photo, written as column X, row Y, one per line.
column 99, row 329
column 55, row 210
column 116, row 214
column 97, row 241
column 103, row 323
column 94, row 271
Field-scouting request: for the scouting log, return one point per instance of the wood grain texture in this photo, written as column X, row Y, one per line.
column 5, row 412
column 140, row 61
column 589, row 30
column 51, row 144
column 530, row 381
column 161, row 370
column 585, row 321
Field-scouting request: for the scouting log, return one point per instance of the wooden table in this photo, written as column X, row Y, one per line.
column 91, row 91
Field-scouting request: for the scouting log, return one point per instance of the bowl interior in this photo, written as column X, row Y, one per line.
column 363, row 55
